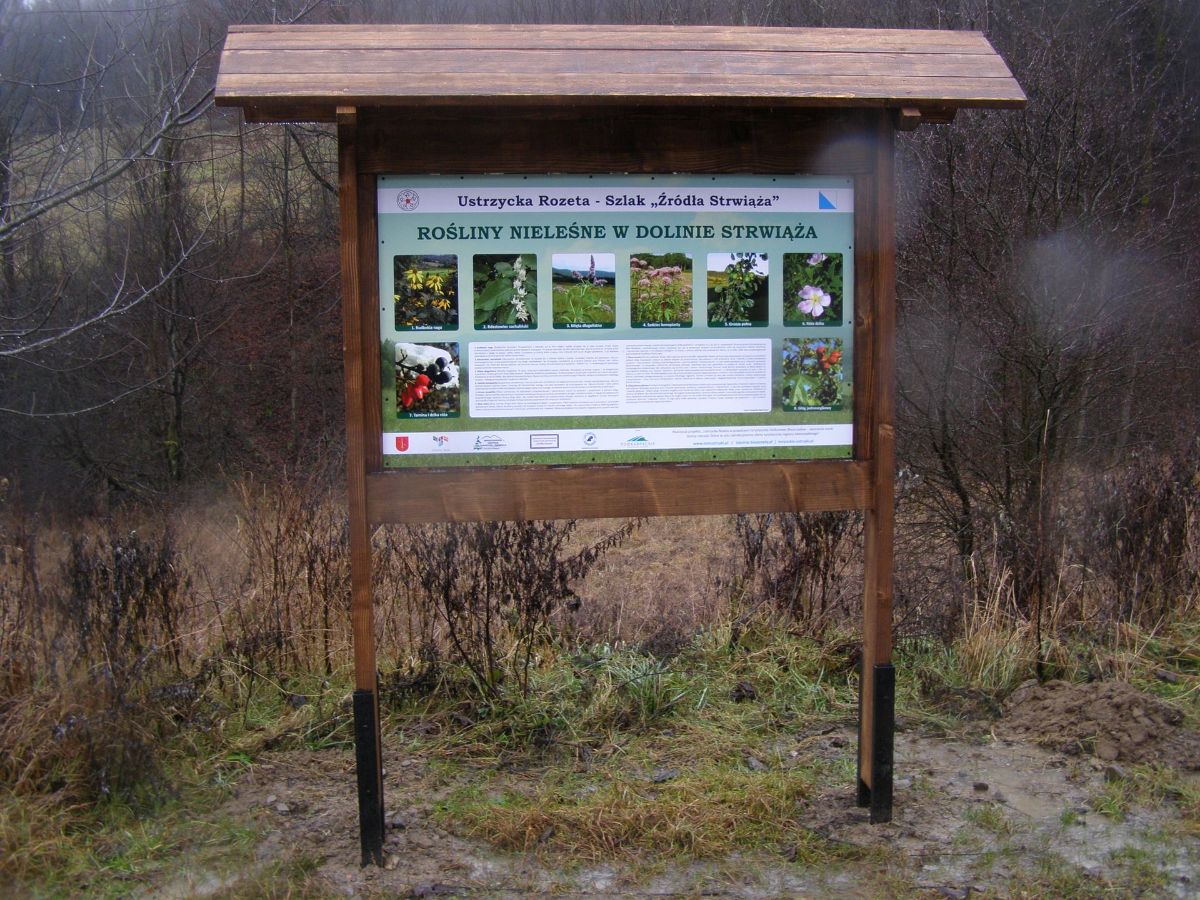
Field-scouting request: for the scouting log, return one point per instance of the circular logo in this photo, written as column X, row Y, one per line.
column 408, row 200
column 589, row 439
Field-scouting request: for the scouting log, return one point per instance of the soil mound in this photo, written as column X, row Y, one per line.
column 1111, row 719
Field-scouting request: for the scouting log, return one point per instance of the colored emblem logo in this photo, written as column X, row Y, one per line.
column 441, row 440
column 402, row 442
column 408, row 200
column 589, row 439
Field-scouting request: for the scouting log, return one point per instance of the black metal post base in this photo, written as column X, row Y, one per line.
column 370, row 777
column 864, row 793
column 878, row 795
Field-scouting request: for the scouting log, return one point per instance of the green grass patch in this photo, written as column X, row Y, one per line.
column 992, row 818
column 1152, row 786
column 107, row 850
column 640, row 757
column 1131, row 873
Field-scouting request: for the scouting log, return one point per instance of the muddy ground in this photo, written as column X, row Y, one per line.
column 1005, row 808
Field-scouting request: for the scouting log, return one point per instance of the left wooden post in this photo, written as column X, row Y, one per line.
column 367, row 746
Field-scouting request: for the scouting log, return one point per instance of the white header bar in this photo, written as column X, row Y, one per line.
column 471, row 200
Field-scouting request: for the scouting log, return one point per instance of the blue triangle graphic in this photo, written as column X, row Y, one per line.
column 824, row 202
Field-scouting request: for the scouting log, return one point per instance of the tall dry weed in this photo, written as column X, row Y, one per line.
column 800, row 566
column 23, row 608
column 995, row 647
column 291, row 612
column 96, row 642
column 1144, row 539
column 492, row 587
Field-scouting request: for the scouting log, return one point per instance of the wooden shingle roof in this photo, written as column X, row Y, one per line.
column 304, row 72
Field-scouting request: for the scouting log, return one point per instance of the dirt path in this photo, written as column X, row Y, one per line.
column 996, row 817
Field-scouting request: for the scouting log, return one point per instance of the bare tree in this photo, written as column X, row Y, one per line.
column 114, row 228
column 1044, row 266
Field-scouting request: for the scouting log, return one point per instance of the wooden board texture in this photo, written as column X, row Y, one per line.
column 298, row 72
column 599, row 492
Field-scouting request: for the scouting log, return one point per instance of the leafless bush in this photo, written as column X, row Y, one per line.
column 95, row 643
column 23, row 608
column 493, row 585
column 931, row 590
column 291, row 612
column 407, row 624
column 123, row 597
column 1144, row 538
column 480, row 594
column 797, row 564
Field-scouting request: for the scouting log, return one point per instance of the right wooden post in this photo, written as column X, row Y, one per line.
column 878, row 678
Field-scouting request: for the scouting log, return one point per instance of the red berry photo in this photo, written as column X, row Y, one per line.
column 427, row 381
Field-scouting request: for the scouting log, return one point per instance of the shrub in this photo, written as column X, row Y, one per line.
column 1145, row 536
column 89, row 718
column 794, row 563
column 493, row 585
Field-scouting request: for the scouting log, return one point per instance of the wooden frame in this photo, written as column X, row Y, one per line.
column 689, row 100
column 644, row 142
column 764, row 141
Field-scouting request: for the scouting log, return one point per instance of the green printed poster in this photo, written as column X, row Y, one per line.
column 615, row 319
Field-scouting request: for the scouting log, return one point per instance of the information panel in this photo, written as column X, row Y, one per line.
column 615, row 319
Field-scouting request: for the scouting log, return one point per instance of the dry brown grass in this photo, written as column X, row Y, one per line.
column 664, row 577
column 704, row 813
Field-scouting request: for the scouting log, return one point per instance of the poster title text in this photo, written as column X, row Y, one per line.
column 612, row 201
column 575, row 231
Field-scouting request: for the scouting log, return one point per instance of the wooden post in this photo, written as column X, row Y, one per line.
column 877, row 683
column 368, row 750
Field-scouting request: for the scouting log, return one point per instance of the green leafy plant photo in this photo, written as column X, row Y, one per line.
column 584, row 292
column 425, row 292
column 660, row 290
column 737, row 289
column 505, row 291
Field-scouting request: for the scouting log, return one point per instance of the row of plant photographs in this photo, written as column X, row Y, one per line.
column 428, row 377
column 504, row 290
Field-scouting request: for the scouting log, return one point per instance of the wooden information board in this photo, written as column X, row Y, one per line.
column 447, row 115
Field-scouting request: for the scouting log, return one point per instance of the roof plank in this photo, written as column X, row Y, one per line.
column 606, row 37
column 381, row 88
column 425, row 64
